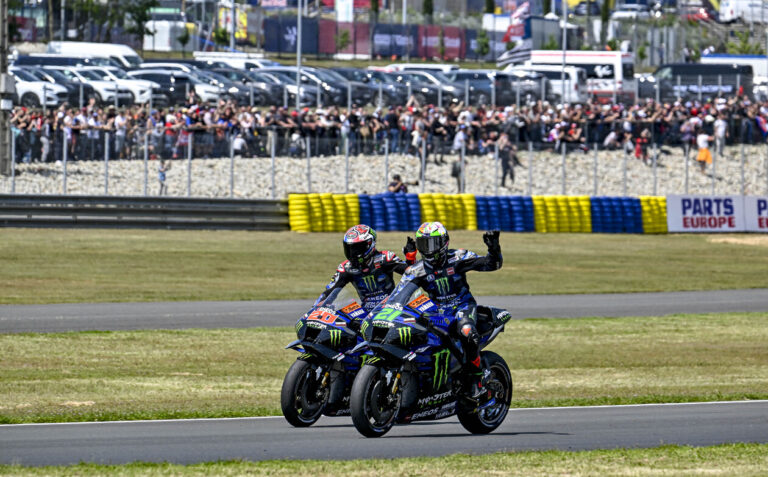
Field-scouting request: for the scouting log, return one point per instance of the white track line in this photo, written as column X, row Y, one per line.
column 521, row 409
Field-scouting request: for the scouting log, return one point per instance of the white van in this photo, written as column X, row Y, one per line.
column 123, row 54
column 575, row 80
column 748, row 11
column 607, row 71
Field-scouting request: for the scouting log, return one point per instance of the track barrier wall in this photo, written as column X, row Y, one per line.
column 544, row 214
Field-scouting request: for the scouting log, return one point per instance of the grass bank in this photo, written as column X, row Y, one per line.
column 741, row 460
column 58, row 266
column 88, row 376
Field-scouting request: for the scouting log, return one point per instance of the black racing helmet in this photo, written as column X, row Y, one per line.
column 432, row 242
column 359, row 244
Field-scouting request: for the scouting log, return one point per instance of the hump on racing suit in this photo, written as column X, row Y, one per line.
column 373, row 282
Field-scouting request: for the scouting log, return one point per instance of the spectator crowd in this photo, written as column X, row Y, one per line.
column 218, row 130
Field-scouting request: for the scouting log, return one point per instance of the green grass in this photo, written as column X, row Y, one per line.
column 56, row 266
column 741, row 460
column 89, row 376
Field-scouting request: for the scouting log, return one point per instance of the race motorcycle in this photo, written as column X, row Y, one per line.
column 412, row 367
column 319, row 381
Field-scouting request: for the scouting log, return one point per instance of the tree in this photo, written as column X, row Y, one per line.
column 605, row 16
column 490, row 6
column 221, row 36
column 744, row 46
column 546, row 7
column 427, row 9
column 342, row 40
column 139, row 13
column 551, row 44
column 483, row 44
column 183, row 39
column 441, row 44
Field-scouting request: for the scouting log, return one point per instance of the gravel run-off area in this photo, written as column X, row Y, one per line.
column 541, row 173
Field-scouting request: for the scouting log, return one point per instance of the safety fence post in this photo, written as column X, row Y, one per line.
column 189, row 165
column 309, row 166
column 146, row 161
column 13, row 163
column 655, row 171
column 496, row 167
column 562, row 167
column 386, row 160
column 423, row 176
column 346, row 165
column 624, row 178
column 272, row 168
column 594, row 171
column 743, row 187
column 64, row 164
column 463, row 166
column 231, row 165
column 106, row 165
column 530, row 168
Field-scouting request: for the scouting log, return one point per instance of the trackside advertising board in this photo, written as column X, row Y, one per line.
column 756, row 214
column 704, row 213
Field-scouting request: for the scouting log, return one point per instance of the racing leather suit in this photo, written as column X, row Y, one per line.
column 373, row 283
column 447, row 286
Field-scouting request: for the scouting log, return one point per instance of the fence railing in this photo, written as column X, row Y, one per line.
column 630, row 157
column 128, row 212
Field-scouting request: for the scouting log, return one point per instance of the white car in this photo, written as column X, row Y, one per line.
column 141, row 89
column 631, row 11
column 204, row 91
column 33, row 93
column 105, row 90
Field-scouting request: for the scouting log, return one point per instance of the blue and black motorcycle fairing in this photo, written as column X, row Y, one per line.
column 319, row 381
column 412, row 367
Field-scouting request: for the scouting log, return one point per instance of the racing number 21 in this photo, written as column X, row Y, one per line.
column 388, row 314
column 321, row 315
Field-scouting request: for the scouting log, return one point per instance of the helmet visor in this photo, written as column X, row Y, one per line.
column 357, row 250
column 429, row 246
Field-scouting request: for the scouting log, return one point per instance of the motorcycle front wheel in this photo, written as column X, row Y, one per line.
column 303, row 398
column 373, row 406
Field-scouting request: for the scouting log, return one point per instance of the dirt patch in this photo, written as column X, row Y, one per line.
column 78, row 403
column 755, row 240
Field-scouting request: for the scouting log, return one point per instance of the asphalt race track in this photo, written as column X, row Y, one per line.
column 246, row 314
column 190, row 441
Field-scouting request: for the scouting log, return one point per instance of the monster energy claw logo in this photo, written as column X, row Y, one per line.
column 442, row 360
column 335, row 337
column 370, row 282
column 299, row 324
column 405, row 334
column 363, row 327
column 442, row 285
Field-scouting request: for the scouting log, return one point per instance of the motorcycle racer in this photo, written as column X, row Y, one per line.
column 442, row 275
column 367, row 269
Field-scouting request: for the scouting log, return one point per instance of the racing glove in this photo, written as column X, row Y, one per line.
column 410, row 251
column 491, row 239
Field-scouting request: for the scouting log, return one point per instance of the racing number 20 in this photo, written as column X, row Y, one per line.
column 321, row 315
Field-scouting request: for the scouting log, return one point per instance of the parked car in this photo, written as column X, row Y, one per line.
column 78, row 94
column 582, row 8
column 424, row 93
column 631, row 11
column 360, row 93
column 263, row 92
column 288, row 82
column 391, row 91
column 105, row 90
column 228, row 90
column 442, row 89
column 173, row 85
column 207, row 64
column 205, row 91
column 330, row 92
column 34, row 93
column 142, row 90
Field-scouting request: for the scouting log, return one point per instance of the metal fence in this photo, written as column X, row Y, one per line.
column 630, row 158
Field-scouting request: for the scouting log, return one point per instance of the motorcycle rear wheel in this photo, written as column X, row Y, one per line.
column 301, row 398
column 373, row 407
column 500, row 383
